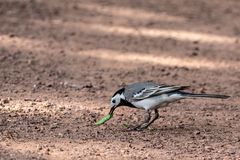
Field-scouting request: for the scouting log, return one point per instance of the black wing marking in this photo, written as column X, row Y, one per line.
column 155, row 91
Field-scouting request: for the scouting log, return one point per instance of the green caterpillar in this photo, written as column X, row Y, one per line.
column 104, row 119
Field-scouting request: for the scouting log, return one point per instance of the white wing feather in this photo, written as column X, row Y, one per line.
column 155, row 91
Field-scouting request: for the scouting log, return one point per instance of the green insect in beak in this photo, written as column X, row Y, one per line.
column 106, row 118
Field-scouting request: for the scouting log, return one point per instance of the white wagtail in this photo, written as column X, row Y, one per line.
column 151, row 96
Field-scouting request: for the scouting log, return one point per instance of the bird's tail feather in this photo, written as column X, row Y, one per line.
column 193, row 95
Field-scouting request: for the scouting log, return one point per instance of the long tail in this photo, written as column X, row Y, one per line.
column 193, row 95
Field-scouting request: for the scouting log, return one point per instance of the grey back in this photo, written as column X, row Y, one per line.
column 136, row 88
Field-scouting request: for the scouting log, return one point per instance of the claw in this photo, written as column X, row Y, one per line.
column 137, row 128
column 146, row 123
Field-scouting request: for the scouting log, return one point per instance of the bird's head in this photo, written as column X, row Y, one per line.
column 117, row 99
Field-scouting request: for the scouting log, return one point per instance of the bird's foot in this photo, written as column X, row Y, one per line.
column 138, row 128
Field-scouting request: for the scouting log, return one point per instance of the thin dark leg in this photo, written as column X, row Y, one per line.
column 147, row 118
column 156, row 116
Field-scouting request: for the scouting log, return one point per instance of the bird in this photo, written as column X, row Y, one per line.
column 151, row 96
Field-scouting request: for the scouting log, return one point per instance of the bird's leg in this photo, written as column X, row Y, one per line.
column 156, row 116
column 147, row 118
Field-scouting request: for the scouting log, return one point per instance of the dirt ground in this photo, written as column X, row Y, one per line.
column 61, row 61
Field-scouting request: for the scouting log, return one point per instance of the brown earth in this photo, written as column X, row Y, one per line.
column 60, row 62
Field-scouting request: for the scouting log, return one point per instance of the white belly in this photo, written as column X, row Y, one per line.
column 157, row 101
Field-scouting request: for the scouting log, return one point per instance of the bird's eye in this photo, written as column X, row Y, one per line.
column 113, row 101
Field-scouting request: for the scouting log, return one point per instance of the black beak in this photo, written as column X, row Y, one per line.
column 112, row 110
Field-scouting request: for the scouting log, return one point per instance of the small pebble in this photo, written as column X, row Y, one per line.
column 60, row 135
column 208, row 148
column 5, row 101
column 194, row 54
column 39, row 148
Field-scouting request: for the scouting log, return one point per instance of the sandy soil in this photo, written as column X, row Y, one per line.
column 60, row 62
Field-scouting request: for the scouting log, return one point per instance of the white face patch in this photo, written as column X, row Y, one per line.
column 116, row 99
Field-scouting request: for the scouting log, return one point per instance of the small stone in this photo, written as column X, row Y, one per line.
column 39, row 148
column 62, row 108
column 60, row 135
column 67, row 131
column 37, row 78
column 197, row 132
column 196, row 48
column 53, row 127
column 194, row 53
column 209, row 114
column 202, row 90
column 232, row 151
column 12, row 35
column 196, row 42
column 5, row 101
column 49, row 85
column 98, row 154
column 122, row 151
column 208, row 148
column 88, row 85
column 48, row 104
column 28, row 99
column 47, row 153
column 38, row 100
column 1, row 104
column 238, row 139
column 30, row 62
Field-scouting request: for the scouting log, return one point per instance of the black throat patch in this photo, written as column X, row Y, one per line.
column 124, row 102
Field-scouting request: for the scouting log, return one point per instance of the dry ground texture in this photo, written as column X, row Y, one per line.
column 61, row 60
